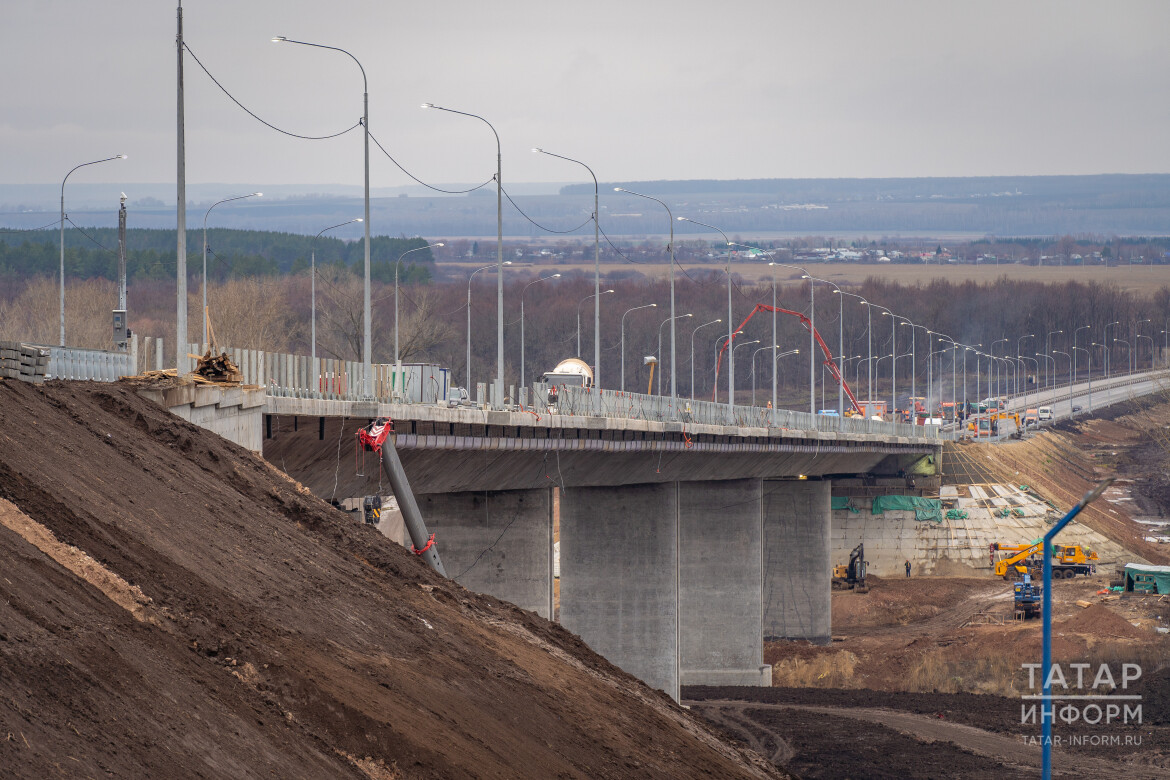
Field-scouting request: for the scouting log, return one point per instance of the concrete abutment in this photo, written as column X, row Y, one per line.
column 797, row 576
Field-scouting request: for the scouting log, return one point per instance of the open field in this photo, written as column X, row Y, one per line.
column 1135, row 278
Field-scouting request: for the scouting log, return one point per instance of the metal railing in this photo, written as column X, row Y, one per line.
column 297, row 376
column 614, row 404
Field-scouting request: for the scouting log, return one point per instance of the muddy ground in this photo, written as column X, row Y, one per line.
column 173, row 606
column 911, row 688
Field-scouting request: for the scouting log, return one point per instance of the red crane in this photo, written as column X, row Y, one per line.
column 836, row 372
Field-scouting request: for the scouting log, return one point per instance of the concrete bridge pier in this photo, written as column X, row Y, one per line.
column 619, row 576
column 664, row 579
column 497, row 542
column 797, row 572
column 720, row 583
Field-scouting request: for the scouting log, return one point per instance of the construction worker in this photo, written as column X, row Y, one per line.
column 907, row 568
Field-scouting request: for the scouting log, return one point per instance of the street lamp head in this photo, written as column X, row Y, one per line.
column 123, row 157
column 607, row 291
column 440, row 243
column 681, row 219
column 428, row 105
column 554, row 276
column 279, row 39
column 618, row 189
column 688, row 315
column 772, row 263
column 719, row 320
column 257, row 194
column 359, row 219
column 654, row 306
column 536, row 149
column 507, row 262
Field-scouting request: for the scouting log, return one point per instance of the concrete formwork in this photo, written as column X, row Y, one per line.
column 797, row 565
column 619, row 577
column 496, row 542
column 720, row 578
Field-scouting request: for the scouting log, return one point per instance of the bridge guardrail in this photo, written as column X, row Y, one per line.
column 592, row 402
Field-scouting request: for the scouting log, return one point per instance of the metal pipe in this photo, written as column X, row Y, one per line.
column 411, row 516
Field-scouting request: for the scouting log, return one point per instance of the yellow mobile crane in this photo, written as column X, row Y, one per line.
column 1068, row 560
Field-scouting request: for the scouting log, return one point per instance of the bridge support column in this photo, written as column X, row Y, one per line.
column 497, row 542
column 797, row 561
column 619, row 577
column 720, row 583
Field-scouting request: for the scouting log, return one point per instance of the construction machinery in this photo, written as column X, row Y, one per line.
column 1028, row 598
column 1068, row 560
column 852, row 574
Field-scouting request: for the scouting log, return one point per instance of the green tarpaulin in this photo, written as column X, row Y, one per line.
column 1144, row 577
column 923, row 508
column 956, row 514
column 844, row 502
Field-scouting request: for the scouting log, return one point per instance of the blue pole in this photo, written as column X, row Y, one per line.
column 1046, row 660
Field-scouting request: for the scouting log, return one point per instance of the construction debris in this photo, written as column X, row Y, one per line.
column 217, row 368
column 23, row 361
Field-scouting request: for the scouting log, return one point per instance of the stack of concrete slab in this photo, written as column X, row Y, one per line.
column 23, row 362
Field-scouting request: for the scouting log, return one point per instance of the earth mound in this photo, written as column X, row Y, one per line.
column 173, row 606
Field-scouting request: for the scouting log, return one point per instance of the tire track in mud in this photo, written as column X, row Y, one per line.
column 1010, row 750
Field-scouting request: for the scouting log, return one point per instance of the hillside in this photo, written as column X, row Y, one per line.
column 172, row 606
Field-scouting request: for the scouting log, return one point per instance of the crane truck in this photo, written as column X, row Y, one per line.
column 1068, row 560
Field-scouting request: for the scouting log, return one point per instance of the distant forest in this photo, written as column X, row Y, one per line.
column 92, row 254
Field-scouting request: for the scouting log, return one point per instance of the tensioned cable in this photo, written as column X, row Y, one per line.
column 87, row 235
column 542, row 227
column 30, row 230
column 257, row 118
column 390, row 157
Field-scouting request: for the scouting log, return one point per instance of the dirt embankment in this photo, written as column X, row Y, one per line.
column 172, row 606
column 1064, row 463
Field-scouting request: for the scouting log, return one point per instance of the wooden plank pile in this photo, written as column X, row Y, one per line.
column 22, row 361
column 217, row 369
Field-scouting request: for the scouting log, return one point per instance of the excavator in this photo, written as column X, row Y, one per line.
column 852, row 574
column 1068, row 560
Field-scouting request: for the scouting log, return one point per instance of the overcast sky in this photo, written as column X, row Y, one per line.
column 638, row 89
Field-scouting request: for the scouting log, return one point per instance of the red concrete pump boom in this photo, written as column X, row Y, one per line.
column 836, row 372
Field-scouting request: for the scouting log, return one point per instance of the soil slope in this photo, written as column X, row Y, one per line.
column 172, row 606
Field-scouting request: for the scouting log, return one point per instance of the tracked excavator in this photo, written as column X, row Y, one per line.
column 852, row 575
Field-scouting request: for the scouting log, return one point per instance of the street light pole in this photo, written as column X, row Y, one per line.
column 730, row 315
column 623, row 341
column 312, row 288
column 693, row 332
column 671, row 321
column 812, row 337
column 537, row 281
column 587, row 297
column 673, row 366
column 205, row 216
column 596, row 267
column 840, row 340
column 1048, row 350
column 397, row 265
column 1105, row 346
column 367, row 327
column 499, row 248
column 95, row 162
column 473, row 273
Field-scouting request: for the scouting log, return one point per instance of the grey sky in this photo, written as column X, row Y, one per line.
column 639, row 89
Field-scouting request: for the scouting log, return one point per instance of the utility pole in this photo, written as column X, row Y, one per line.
column 121, row 326
column 181, row 363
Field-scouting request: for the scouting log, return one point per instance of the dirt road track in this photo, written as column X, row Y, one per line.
column 1012, row 751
